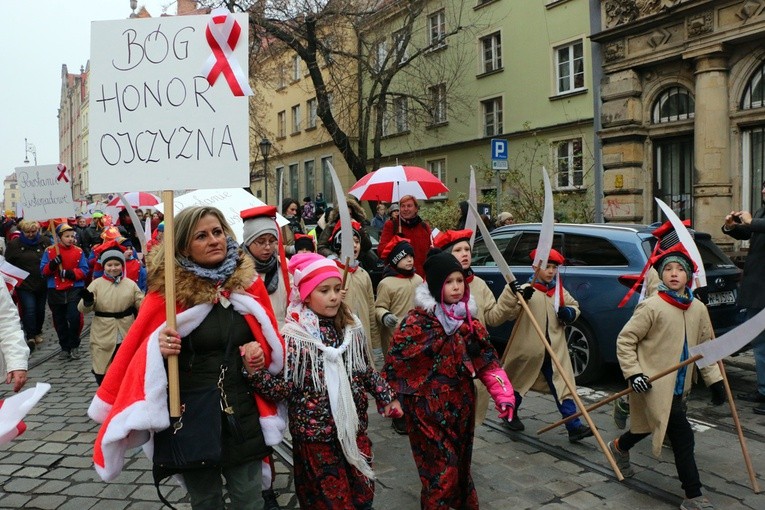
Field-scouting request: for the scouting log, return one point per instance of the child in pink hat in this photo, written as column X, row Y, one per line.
column 325, row 380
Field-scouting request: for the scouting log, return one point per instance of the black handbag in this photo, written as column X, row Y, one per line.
column 193, row 441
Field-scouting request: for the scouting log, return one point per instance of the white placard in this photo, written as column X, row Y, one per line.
column 231, row 202
column 44, row 192
column 155, row 121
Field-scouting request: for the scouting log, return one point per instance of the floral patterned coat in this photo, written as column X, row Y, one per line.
column 425, row 361
column 310, row 415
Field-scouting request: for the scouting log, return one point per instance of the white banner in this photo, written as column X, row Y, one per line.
column 45, row 192
column 155, row 121
column 230, row 201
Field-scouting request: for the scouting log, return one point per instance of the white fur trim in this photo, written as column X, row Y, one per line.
column 98, row 410
column 132, row 427
column 246, row 304
column 266, row 475
column 424, row 299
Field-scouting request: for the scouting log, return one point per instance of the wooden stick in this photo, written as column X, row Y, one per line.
column 345, row 271
column 55, row 237
column 515, row 327
column 574, row 395
column 173, row 383
column 739, row 432
column 615, row 396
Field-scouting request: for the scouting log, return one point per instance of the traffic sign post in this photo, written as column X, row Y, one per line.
column 499, row 153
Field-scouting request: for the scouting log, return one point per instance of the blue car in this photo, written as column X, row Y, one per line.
column 602, row 262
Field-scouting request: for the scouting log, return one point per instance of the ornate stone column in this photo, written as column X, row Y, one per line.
column 712, row 157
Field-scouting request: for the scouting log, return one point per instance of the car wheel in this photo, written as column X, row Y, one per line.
column 584, row 352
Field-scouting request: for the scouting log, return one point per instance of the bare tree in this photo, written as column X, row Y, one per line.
column 338, row 43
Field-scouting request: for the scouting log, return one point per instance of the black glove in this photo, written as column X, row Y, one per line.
column 718, row 393
column 67, row 274
column 640, row 383
column 702, row 294
column 54, row 263
column 88, row 298
column 528, row 292
column 516, row 287
column 566, row 314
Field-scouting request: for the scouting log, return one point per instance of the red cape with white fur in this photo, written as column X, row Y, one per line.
column 131, row 403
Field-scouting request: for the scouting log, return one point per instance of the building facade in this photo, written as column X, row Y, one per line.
column 516, row 71
column 683, row 113
column 11, row 194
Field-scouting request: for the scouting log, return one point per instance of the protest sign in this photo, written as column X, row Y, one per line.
column 45, row 192
column 230, row 202
column 155, row 120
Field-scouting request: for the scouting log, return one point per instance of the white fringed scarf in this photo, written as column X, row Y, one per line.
column 302, row 328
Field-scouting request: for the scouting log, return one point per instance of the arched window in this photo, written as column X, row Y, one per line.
column 755, row 90
column 674, row 104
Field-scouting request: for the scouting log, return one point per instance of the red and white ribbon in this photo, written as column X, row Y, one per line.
column 61, row 172
column 222, row 35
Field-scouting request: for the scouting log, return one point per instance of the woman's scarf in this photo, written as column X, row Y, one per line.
column 218, row 274
column 294, row 224
column 23, row 239
column 410, row 223
column 302, row 328
column 680, row 300
column 452, row 316
column 269, row 269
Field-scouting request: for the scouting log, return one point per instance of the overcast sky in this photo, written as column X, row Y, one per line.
column 37, row 38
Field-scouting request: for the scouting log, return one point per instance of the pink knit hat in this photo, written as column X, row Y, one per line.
column 309, row 270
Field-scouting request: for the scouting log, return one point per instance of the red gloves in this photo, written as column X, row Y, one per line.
column 501, row 391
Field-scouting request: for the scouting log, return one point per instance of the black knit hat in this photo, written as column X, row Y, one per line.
column 438, row 266
column 304, row 242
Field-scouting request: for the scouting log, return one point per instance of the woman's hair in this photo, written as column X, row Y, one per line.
column 25, row 225
column 185, row 222
column 287, row 202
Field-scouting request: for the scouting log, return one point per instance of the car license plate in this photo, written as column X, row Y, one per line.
column 722, row 298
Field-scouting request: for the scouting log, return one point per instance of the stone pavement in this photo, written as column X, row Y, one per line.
column 50, row 467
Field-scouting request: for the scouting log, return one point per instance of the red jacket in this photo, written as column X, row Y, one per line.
column 73, row 259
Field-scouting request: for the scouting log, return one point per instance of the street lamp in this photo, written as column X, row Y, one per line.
column 265, row 149
column 29, row 148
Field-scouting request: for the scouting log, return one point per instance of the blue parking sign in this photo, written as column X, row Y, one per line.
column 498, row 148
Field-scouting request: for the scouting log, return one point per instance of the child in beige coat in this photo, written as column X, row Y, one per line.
column 114, row 300
column 659, row 335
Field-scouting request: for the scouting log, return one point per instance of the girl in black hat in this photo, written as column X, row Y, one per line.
column 433, row 358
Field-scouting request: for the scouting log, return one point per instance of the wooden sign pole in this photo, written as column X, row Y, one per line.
column 173, row 384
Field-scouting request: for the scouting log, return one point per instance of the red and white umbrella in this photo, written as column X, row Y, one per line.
column 390, row 183
column 136, row 199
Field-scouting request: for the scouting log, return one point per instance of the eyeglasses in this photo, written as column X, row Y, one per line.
column 262, row 243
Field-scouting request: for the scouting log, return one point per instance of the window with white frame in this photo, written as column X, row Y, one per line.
column 385, row 111
column 296, row 119
column 328, row 187
column 491, row 52
column 294, row 180
column 296, row 68
column 281, row 124
column 673, row 104
column 310, row 178
column 438, row 103
column 311, row 106
column 437, row 28
column 568, row 164
column 569, row 65
column 438, row 168
column 401, row 114
column 492, row 116
column 379, row 54
column 400, row 45
column 281, row 77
